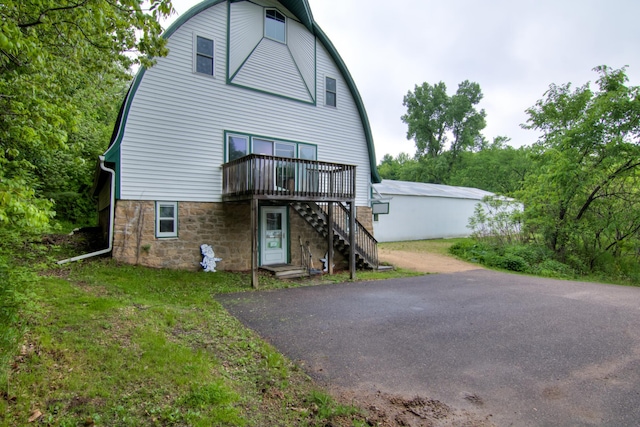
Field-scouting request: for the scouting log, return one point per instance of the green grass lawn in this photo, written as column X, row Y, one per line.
column 435, row 246
column 118, row 345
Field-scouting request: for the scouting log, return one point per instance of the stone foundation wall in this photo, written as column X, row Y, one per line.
column 224, row 226
column 364, row 214
column 299, row 229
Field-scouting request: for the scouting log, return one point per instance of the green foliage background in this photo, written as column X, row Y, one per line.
column 579, row 182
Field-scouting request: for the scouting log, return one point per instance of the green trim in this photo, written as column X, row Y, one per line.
column 315, row 73
column 288, row 227
column 375, row 176
column 251, row 136
column 229, row 80
column 301, row 9
column 315, row 68
column 228, row 38
column 272, row 94
column 286, row 215
column 225, row 142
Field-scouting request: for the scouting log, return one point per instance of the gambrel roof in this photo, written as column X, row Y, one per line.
column 302, row 12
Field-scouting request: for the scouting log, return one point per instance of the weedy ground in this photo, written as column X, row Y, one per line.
column 102, row 343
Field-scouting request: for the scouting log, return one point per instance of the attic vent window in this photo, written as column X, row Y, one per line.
column 274, row 25
column 204, row 56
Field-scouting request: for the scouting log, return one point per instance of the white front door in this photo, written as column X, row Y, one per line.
column 273, row 225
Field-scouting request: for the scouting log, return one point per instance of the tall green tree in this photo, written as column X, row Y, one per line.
column 497, row 167
column 52, row 54
column 583, row 198
column 444, row 126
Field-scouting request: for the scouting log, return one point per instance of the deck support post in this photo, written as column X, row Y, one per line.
column 330, row 238
column 254, row 242
column 352, row 240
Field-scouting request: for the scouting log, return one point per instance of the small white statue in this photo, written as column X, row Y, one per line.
column 325, row 263
column 209, row 259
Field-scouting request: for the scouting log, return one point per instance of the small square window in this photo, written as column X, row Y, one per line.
column 204, row 56
column 166, row 219
column 330, row 91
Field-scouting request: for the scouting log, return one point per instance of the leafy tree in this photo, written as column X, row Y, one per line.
column 444, row 126
column 395, row 168
column 583, row 197
column 498, row 168
column 57, row 59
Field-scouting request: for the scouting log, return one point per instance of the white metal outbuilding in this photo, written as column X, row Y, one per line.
column 420, row 211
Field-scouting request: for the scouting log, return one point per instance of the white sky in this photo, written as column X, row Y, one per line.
column 513, row 48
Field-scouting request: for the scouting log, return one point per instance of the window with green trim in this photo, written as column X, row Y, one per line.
column 237, row 146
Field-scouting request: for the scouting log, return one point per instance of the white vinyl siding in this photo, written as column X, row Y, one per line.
column 271, row 68
column 302, row 47
column 245, row 32
column 173, row 144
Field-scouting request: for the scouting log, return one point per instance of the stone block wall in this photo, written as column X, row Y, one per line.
column 224, row 226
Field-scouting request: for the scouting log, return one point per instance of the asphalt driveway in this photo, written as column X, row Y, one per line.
column 528, row 351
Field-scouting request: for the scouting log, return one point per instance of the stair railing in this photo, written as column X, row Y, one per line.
column 366, row 244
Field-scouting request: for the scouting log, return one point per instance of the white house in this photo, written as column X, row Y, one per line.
column 420, row 211
column 241, row 138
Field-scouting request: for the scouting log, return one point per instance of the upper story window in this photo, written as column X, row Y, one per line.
column 237, row 146
column 330, row 92
column 204, row 60
column 274, row 25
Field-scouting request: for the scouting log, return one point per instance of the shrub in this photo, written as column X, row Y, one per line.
column 532, row 254
column 471, row 250
column 512, row 262
column 553, row 268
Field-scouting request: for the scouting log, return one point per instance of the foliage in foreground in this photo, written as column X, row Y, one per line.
column 498, row 241
column 583, row 198
column 64, row 66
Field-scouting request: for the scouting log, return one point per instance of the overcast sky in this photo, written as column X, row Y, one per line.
column 513, row 48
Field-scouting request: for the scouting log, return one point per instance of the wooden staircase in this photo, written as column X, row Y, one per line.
column 366, row 247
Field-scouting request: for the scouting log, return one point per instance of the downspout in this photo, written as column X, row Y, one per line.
column 111, row 218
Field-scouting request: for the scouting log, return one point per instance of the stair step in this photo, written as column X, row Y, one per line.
column 291, row 271
column 316, row 217
column 292, row 274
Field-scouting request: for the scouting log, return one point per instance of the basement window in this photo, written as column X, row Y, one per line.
column 166, row 219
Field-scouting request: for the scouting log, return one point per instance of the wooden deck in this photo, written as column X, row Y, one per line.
column 258, row 176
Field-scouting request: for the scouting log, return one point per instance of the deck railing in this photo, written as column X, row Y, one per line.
column 366, row 244
column 258, row 175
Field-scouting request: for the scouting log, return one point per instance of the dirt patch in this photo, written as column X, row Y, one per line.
column 385, row 410
column 425, row 262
